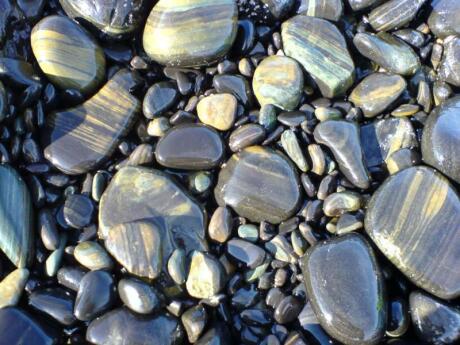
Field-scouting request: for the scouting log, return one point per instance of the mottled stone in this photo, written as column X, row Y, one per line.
column 190, row 33
column 443, row 20
column 11, row 287
column 218, row 111
column 394, row 14
column 292, row 148
column 278, row 80
column 321, row 49
column 206, row 276
column 260, row 184
column 194, row 321
column 345, row 287
column 394, row 134
column 412, row 215
column 357, row 5
column 221, row 225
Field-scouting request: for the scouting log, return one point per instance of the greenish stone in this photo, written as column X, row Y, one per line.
column 93, row 256
column 248, row 232
column 267, row 117
column 394, row 14
column 338, row 203
column 292, row 147
column 53, row 262
column 16, row 217
column 321, row 49
column 327, row 9
column 443, row 20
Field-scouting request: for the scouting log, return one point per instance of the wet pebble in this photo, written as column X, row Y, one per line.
column 394, row 14
column 327, row 9
column 78, row 211
column 449, row 70
column 12, row 286
column 218, row 111
column 139, row 296
column 92, row 255
column 194, row 321
column 221, row 225
column 206, row 276
column 247, row 135
column 246, row 252
column 443, row 20
column 55, row 302
column 160, row 97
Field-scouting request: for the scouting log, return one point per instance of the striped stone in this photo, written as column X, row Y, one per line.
column 321, row 49
column 394, row 14
column 79, row 139
column 190, row 32
column 327, row 9
column 67, row 54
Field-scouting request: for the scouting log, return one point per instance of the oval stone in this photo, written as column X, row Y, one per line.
column 190, row 32
column 441, row 138
column 394, row 14
column 443, row 20
column 412, row 215
column 67, row 54
column 327, row 9
column 278, row 80
column 259, row 184
column 79, row 139
column 137, row 193
column 321, row 49
column 218, row 111
column 191, row 147
column 345, row 287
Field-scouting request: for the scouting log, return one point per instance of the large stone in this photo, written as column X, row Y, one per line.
column 443, row 20
column 449, row 70
column 414, row 214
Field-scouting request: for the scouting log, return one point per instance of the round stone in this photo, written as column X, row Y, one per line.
column 138, row 296
column 218, row 111
column 412, row 215
column 260, row 184
column 441, row 138
column 206, row 276
column 278, row 80
column 190, row 32
column 91, row 255
column 67, row 54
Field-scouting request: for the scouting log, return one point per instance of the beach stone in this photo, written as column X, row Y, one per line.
column 139, row 296
column 418, row 208
column 449, row 70
column 54, row 302
column 246, row 252
column 394, row 14
column 194, row 321
column 159, row 98
column 12, row 286
column 443, row 20
column 246, row 135
column 218, row 111
column 206, row 276
column 259, row 184
column 92, row 255
column 327, row 9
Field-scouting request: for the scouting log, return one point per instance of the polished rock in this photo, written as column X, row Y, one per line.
column 54, row 302
column 12, row 286
column 449, row 70
column 159, row 98
column 443, row 20
column 394, row 14
column 247, row 135
column 218, row 111
column 206, row 276
column 139, row 296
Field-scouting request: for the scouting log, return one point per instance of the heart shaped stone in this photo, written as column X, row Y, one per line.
column 414, row 218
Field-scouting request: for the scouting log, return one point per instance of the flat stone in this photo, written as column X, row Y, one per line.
column 218, row 111
column 449, row 70
column 278, row 80
column 342, row 137
column 434, row 321
column 54, row 302
column 139, row 296
column 237, row 85
column 441, row 137
column 192, row 33
column 121, row 327
column 259, row 184
column 78, row 210
column 412, row 215
column 137, row 247
column 12, row 286
column 137, row 193
column 16, row 217
column 394, row 14
column 375, row 93
column 321, row 49
column 206, row 276
column 443, row 20
column 345, row 287
column 67, row 54
column 246, row 135
column 388, row 51
column 190, row 147
column 246, row 252
column 79, row 139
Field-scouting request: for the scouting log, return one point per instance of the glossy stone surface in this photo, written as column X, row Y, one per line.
column 11, row 287
column 338, row 203
column 412, row 215
column 377, row 92
column 327, row 9
column 292, row 148
column 17, row 327
column 246, row 252
column 190, row 33
column 443, row 20
column 137, row 193
column 342, row 138
column 159, row 98
column 138, row 296
column 345, row 287
column 394, row 14
column 357, row 5
column 259, row 184
column 67, row 54
column 434, row 321
column 137, row 247
column 220, row 225
column 237, row 85
column 191, row 147
column 92, row 255
column 115, row 18
column 79, row 139
column 218, row 111
column 388, row 51
column 394, row 134
column 449, row 70
column 247, row 135
column 321, row 49
column 441, row 138
column 278, row 80
column 194, row 321
column 16, row 217
column 78, row 211
column 55, row 302
column 206, row 276
column 120, row 327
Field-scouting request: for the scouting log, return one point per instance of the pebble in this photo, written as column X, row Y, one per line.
column 405, row 110
column 79, row 139
column 218, row 111
column 92, row 255
column 177, row 266
column 339, row 203
column 327, row 9
column 11, row 287
column 357, row 5
column 259, row 184
column 70, row 277
column 159, row 98
column 287, row 310
column 48, row 229
column 377, row 92
column 139, row 296
column 434, row 321
column 121, row 327
column 278, row 80
column 180, row 149
column 343, row 139
column 177, row 33
column 449, row 70
column 96, row 294
column 246, row 252
column 394, row 14
column 398, row 318
column 443, row 20
column 345, row 287
column 292, row 148
column 236, row 85
column 321, row 49
column 67, row 54
column 402, row 159
column 387, row 51
column 221, row 225
column 137, row 193
column 218, row 335
column 16, row 215
column 246, row 135
column 194, row 321
column 248, row 232
column 53, row 262
column 418, row 203
column 206, row 277
column 54, row 302
column 78, row 211
column 158, row 127
column 137, row 247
